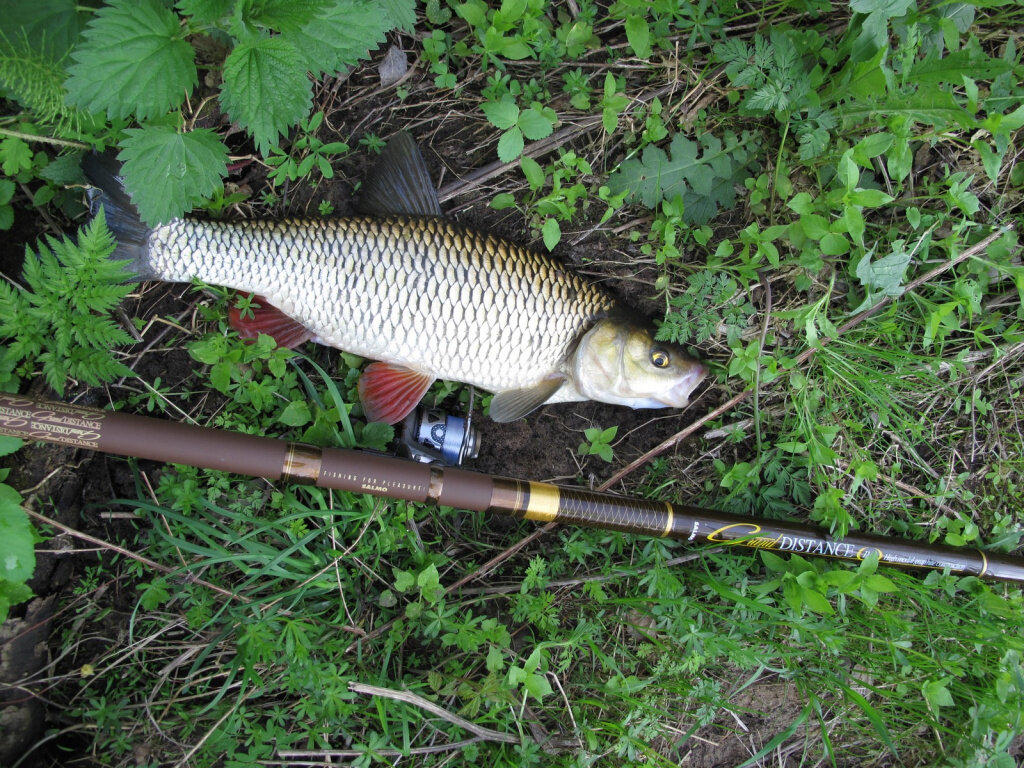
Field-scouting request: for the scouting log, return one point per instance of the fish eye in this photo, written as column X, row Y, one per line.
column 659, row 358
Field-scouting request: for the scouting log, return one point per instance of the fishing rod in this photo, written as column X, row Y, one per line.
column 428, row 483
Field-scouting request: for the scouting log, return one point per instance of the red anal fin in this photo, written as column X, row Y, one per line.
column 389, row 392
column 268, row 319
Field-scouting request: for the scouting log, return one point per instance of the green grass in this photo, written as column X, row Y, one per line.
column 764, row 173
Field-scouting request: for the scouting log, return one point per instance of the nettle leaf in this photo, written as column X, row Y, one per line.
column 206, row 11
column 282, row 15
column 166, row 172
column 134, row 61
column 266, row 89
column 703, row 176
column 47, row 25
column 402, row 13
column 341, row 35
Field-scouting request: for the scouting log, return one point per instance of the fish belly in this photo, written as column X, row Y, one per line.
column 426, row 293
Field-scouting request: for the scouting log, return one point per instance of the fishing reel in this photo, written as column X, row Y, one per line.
column 430, row 435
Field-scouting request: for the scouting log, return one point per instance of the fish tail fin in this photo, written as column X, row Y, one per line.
column 104, row 174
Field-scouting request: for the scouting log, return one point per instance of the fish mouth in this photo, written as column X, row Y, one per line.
column 679, row 395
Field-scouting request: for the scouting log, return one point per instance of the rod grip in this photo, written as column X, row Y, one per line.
column 141, row 436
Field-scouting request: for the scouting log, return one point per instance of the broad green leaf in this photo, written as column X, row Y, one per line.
column 510, row 12
column 991, row 161
column 495, row 660
column 869, row 198
column 885, row 276
column 880, row 583
column 206, row 11
column 534, row 174
column 889, row 8
column 404, row 580
column 295, row 414
column 15, row 155
column 12, row 593
column 802, row 203
column 341, row 35
column 154, row 594
column 220, row 377
column 872, row 146
column 537, row 686
column 473, row 13
column 64, row 170
column 834, row 244
column 17, row 548
column 937, row 694
column 507, row 47
column 638, row 33
column 951, row 68
column 282, row 15
column 930, row 106
column 502, row 201
column 814, row 225
column 502, row 114
column 52, row 26
column 816, row 601
column 552, row 233
column 9, row 445
column 134, row 61
column 534, row 123
column 166, row 173
column 401, row 13
column 266, row 89
column 510, row 145
column 376, row 435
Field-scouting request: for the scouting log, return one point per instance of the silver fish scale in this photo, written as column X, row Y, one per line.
column 422, row 292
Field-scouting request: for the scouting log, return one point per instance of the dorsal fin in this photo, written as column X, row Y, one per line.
column 400, row 182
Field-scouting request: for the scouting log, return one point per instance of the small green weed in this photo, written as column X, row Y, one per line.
column 19, row 540
column 307, row 152
column 598, row 442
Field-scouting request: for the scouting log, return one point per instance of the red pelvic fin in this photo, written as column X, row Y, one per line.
column 389, row 392
column 263, row 317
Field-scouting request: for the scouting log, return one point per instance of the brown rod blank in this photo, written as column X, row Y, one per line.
column 395, row 478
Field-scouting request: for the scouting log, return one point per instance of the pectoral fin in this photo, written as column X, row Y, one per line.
column 263, row 317
column 513, row 404
column 389, row 392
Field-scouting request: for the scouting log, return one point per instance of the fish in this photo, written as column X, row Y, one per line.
column 424, row 297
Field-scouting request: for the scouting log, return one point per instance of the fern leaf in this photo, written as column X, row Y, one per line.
column 58, row 320
column 95, row 366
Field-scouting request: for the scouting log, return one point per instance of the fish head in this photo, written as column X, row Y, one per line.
column 621, row 363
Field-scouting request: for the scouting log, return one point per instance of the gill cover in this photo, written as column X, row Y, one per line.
column 621, row 363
